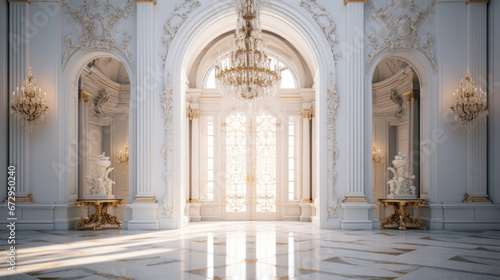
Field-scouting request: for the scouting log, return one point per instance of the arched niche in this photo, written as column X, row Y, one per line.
column 67, row 111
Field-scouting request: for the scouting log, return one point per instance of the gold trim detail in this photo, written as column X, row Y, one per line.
column 306, row 200
column 400, row 217
column 307, row 114
column 28, row 198
column 354, row 199
column 101, row 216
column 194, row 200
column 146, row 1
column 470, row 199
column 412, row 95
column 84, row 96
column 148, row 199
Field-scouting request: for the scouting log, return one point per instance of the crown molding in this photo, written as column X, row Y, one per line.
column 20, row 1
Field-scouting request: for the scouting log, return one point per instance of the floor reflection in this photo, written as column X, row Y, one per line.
column 255, row 250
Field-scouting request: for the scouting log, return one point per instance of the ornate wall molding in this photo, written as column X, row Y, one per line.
column 401, row 21
column 174, row 22
column 333, row 102
column 95, row 28
column 167, row 100
column 326, row 23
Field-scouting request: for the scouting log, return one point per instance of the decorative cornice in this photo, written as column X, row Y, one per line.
column 327, row 24
column 353, row 1
column 26, row 1
column 146, row 1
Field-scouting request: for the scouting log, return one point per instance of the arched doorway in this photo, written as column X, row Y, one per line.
column 200, row 31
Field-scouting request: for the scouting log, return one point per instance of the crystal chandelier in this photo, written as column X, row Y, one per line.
column 246, row 74
column 28, row 105
column 470, row 104
column 377, row 156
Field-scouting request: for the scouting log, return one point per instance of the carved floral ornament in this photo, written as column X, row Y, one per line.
column 333, row 102
column 96, row 27
column 402, row 24
column 326, row 23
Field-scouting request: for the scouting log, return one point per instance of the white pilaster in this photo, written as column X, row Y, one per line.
column 195, row 152
column 145, row 108
column 477, row 136
column 142, row 213
column 18, row 69
column 357, row 212
column 306, row 202
column 195, row 206
column 355, row 86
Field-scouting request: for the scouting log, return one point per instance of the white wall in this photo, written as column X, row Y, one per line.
column 4, row 97
column 494, row 100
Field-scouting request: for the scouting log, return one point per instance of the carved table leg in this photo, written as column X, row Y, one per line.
column 402, row 215
column 393, row 218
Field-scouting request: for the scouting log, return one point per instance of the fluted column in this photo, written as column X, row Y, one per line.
column 477, row 136
column 145, row 106
column 355, row 90
column 18, row 69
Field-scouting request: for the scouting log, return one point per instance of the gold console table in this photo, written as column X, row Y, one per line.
column 400, row 216
column 101, row 216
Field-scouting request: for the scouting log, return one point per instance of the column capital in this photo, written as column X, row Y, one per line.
column 144, row 1
column 353, row 1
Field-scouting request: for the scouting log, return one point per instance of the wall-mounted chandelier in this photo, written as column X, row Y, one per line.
column 377, row 156
column 123, row 156
column 247, row 75
column 469, row 105
column 28, row 105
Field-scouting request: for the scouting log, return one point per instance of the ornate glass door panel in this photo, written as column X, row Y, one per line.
column 235, row 202
column 251, row 167
column 265, row 166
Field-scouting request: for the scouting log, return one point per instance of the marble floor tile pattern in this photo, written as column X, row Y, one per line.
column 254, row 250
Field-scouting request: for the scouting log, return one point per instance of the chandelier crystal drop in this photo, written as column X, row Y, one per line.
column 469, row 105
column 247, row 74
column 28, row 105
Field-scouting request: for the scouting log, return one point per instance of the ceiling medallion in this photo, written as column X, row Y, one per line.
column 247, row 75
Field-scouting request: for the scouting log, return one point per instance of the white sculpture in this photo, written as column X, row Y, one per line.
column 100, row 186
column 400, row 184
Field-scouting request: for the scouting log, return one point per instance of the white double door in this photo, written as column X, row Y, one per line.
column 250, row 154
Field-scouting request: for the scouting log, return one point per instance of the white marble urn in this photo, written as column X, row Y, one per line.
column 400, row 185
column 101, row 186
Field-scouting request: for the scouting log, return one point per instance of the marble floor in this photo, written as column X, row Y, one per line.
column 254, row 250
